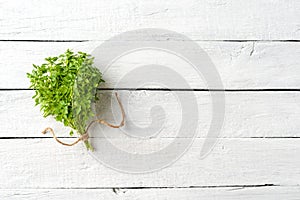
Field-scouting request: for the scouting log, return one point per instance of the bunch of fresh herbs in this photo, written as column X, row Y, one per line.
column 65, row 87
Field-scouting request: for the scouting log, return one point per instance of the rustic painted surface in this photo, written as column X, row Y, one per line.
column 241, row 65
column 253, row 44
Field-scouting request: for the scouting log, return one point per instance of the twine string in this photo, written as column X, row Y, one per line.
column 85, row 135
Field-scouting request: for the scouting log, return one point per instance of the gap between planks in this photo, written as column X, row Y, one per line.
column 50, row 137
column 261, row 41
column 167, row 187
column 179, row 89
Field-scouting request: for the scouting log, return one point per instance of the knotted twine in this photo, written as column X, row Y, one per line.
column 85, row 135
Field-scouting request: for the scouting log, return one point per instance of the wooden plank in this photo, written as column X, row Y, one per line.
column 44, row 164
column 200, row 20
column 242, row 65
column 247, row 114
column 230, row 193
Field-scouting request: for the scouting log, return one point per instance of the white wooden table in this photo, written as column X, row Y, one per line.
column 253, row 44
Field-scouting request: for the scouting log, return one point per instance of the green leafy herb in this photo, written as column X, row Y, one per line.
column 65, row 87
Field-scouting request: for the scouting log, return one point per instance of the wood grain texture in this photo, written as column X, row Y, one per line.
column 242, row 65
column 200, row 20
column 228, row 193
column 248, row 114
column 254, row 46
column 44, row 164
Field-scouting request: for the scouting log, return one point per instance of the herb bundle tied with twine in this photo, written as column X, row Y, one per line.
column 65, row 88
